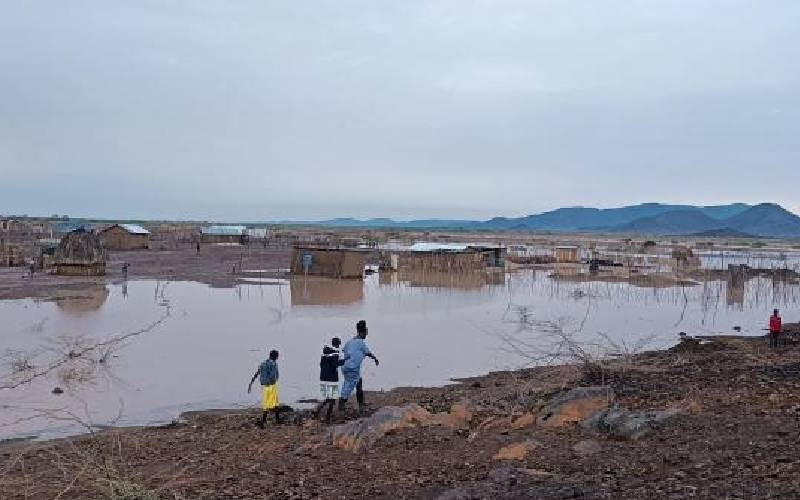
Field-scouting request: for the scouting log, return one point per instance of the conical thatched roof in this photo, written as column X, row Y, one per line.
column 80, row 248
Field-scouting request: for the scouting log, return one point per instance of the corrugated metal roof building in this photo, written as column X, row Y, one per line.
column 224, row 234
column 125, row 237
column 134, row 229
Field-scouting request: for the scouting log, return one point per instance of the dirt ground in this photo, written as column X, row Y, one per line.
column 736, row 437
column 214, row 265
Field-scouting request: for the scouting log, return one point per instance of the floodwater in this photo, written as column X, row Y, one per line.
column 189, row 347
column 761, row 259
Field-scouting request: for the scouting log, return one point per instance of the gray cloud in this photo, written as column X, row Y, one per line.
column 254, row 110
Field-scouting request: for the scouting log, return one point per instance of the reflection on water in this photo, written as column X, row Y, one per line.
column 763, row 259
column 421, row 278
column 316, row 291
column 204, row 353
column 83, row 302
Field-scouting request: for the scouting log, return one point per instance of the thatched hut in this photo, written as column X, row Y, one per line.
column 80, row 254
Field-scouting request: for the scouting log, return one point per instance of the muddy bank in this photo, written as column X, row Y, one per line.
column 732, row 431
column 215, row 265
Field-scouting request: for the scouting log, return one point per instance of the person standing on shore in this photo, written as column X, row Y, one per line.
column 355, row 350
column 267, row 373
column 329, row 378
column 775, row 328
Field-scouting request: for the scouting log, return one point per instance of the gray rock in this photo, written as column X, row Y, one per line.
column 360, row 434
column 625, row 424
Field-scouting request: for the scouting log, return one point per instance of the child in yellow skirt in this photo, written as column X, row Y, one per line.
column 267, row 373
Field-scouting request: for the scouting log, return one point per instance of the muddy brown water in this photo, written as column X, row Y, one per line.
column 426, row 330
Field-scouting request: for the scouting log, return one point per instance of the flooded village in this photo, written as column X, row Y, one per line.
column 510, row 362
column 424, row 250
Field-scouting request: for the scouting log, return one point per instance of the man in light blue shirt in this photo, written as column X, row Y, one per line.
column 354, row 352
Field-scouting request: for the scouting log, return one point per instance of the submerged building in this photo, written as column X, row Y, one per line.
column 330, row 262
column 448, row 257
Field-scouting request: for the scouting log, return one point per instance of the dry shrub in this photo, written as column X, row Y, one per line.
column 125, row 490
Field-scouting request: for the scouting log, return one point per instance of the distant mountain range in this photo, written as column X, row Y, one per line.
column 734, row 220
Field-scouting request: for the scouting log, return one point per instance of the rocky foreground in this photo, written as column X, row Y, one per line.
column 718, row 419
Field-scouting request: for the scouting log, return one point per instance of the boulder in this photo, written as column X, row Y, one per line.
column 621, row 423
column 360, row 434
column 459, row 416
column 516, row 451
column 575, row 405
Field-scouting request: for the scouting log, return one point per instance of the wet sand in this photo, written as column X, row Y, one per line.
column 735, row 438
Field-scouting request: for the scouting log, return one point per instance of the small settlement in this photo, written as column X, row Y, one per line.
column 421, row 258
column 79, row 247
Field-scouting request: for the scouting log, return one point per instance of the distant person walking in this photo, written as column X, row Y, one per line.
column 329, row 378
column 775, row 328
column 355, row 350
column 198, row 247
column 32, row 267
column 125, row 271
column 267, row 373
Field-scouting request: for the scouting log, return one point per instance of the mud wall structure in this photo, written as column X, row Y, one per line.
column 329, row 262
column 117, row 238
column 442, row 261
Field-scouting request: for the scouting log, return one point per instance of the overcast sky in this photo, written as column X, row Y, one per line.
column 459, row 109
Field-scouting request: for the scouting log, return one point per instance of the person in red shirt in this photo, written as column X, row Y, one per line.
column 775, row 328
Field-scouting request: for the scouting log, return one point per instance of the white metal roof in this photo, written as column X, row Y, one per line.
column 224, row 230
column 424, row 246
column 134, row 229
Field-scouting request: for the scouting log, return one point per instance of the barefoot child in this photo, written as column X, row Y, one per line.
column 267, row 373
